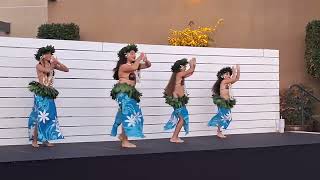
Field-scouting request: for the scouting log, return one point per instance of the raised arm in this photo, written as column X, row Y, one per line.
column 190, row 71
column 238, row 72
column 235, row 75
column 58, row 65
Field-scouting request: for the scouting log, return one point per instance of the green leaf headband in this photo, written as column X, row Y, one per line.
column 130, row 47
column 178, row 65
column 44, row 50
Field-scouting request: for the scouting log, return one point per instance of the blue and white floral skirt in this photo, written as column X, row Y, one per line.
column 43, row 118
column 222, row 118
column 174, row 119
column 129, row 115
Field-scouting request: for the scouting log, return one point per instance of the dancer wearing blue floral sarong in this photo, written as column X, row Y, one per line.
column 223, row 98
column 43, row 122
column 177, row 98
column 129, row 114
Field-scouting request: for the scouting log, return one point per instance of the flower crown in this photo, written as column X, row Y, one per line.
column 223, row 71
column 44, row 50
column 179, row 64
column 130, row 47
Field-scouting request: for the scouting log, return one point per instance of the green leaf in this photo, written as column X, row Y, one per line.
column 312, row 48
column 125, row 88
column 42, row 90
column 63, row 31
column 176, row 102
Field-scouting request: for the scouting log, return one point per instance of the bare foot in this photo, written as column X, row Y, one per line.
column 127, row 144
column 35, row 145
column 176, row 140
column 48, row 144
column 120, row 137
column 220, row 135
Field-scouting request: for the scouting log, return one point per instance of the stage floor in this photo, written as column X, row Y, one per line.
column 105, row 149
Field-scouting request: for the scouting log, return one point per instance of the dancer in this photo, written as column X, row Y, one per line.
column 176, row 97
column 223, row 98
column 128, row 97
column 43, row 122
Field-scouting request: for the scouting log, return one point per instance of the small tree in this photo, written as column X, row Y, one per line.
column 312, row 51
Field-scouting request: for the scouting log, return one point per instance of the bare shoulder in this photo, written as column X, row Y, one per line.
column 38, row 66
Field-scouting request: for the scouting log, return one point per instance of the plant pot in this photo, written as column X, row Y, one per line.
column 298, row 128
column 316, row 125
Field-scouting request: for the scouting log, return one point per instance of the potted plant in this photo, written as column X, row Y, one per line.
column 296, row 108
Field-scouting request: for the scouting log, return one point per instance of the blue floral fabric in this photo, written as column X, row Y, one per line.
column 174, row 119
column 44, row 118
column 222, row 118
column 129, row 115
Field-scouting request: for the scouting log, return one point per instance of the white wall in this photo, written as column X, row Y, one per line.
column 86, row 111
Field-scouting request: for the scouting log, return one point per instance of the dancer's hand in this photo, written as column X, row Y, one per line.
column 54, row 61
column 141, row 57
column 238, row 67
column 146, row 63
column 193, row 61
column 145, row 58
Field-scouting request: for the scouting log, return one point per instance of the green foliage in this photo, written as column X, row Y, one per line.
column 125, row 88
column 292, row 103
column 44, row 50
column 42, row 90
column 177, row 65
column 176, row 102
column 63, row 31
column 130, row 47
column 312, row 51
column 220, row 102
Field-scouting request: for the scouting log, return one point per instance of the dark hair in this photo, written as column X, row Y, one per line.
column 175, row 68
column 171, row 85
column 177, row 65
column 123, row 58
column 44, row 50
column 130, row 47
column 216, row 86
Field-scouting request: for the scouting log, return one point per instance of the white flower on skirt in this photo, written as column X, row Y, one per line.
column 133, row 119
column 43, row 116
column 55, row 124
column 138, row 105
column 58, row 131
column 226, row 117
